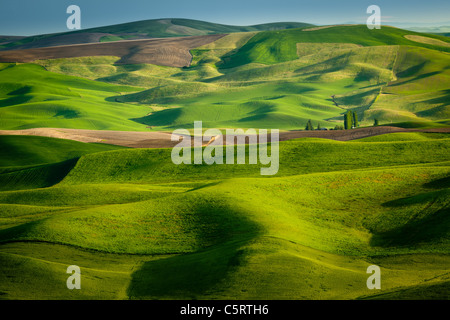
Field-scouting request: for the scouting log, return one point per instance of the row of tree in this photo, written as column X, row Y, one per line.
column 309, row 125
column 350, row 122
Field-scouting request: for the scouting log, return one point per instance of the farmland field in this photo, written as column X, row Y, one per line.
column 141, row 227
column 86, row 176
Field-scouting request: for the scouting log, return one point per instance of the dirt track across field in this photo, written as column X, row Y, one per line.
column 134, row 139
column 172, row 52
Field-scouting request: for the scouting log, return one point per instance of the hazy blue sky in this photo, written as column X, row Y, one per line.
column 28, row 17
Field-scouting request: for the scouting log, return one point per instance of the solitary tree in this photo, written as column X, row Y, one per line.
column 355, row 119
column 309, row 126
column 318, row 125
column 375, row 122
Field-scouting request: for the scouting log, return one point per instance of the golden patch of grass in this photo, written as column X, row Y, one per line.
column 427, row 40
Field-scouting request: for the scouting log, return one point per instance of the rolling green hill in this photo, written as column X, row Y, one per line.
column 279, row 46
column 141, row 227
column 281, row 79
column 270, row 79
column 156, row 28
column 31, row 97
column 36, row 162
column 309, row 232
column 29, row 150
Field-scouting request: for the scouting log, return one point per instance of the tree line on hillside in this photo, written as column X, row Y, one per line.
column 350, row 122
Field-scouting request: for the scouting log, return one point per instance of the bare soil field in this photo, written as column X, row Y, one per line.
column 121, row 138
column 173, row 52
column 344, row 135
column 133, row 139
column 359, row 133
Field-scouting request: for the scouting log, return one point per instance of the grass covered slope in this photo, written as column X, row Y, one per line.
column 29, row 150
column 421, row 89
column 32, row 97
column 225, row 232
column 274, row 47
column 296, row 156
column 271, row 79
column 36, row 162
column 141, row 227
column 281, row 79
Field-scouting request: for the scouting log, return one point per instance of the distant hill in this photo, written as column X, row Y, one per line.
column 280, row 79
column 188, row 27
column 172, row 52
column 275, row 47
column 157, row 28
column 435, row 30
column 268, row 79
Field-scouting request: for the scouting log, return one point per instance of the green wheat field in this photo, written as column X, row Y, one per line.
column 141, row 227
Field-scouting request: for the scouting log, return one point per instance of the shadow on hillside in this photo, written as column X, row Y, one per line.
column 188, row 276
column 428, row 225
column 428, row 229
column 211, row 184
column 411, row 70
column 204, row 272
column 41, row 176
column 438, row 184
column 160, row 118
column 444, row 99
column 333, row 64
column 16, row 233
column 419, row 77
column 15, row 100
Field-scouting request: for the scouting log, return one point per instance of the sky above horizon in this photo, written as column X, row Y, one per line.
column 31, row 17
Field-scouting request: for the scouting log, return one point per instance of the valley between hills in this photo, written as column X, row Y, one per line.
column 86, row 176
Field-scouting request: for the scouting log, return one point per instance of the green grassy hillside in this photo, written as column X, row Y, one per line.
column 145, row 165
column 141, row 227
column 35, row 162
column 28, row 150
column 271, row 79
column 421, row 89
column 321, row 82
column 319, row 86
column 310, row 232
column 31, row 97
column 274, row 47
